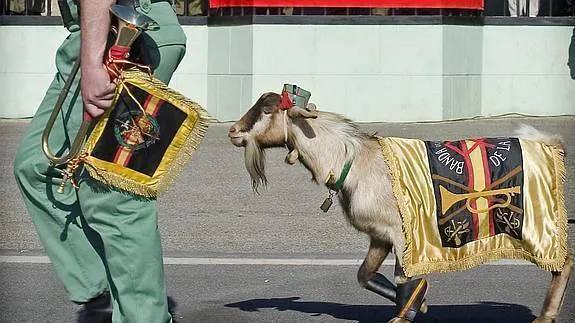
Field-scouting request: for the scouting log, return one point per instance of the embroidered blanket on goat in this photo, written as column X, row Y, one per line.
column 467, row 202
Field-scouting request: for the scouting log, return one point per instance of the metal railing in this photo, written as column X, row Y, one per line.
column 27, row 7
column 546, row 8
column 311, row 11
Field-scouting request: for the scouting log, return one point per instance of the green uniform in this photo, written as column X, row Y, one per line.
column 97, row 239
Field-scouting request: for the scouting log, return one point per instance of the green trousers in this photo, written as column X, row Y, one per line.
column 98, row 240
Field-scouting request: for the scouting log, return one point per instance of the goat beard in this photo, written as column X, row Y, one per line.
column 254, row 158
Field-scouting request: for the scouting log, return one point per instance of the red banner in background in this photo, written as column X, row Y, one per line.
column 457, row 4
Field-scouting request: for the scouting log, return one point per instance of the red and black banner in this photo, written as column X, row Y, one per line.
column 478, row 187
column 137, row 136
column 457, row 4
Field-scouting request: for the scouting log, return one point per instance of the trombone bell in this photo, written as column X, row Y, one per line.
column 130, row 25
column 130, row 16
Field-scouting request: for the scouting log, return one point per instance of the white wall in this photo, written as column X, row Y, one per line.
column 191, row 76
column 26, row 66
column 462, row 71
column 368, row 72
column 525, row 70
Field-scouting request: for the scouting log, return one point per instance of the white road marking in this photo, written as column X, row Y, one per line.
column 250, row 261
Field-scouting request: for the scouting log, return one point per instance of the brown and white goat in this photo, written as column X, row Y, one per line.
column 323, row 142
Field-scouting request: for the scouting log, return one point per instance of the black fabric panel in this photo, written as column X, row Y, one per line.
column 106, row 147
column 447, row 163
column 503, row 156
column 145, row 159
column 499, row 168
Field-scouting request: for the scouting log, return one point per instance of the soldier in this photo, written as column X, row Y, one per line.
column 102, row 243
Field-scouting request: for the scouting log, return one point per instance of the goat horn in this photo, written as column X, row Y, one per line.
column 311, row 107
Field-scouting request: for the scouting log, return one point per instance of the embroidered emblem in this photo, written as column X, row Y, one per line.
column 135, row 130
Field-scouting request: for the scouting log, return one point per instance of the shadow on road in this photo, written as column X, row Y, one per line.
column 483, row 312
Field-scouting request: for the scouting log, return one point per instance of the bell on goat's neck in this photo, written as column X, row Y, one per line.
column 328, row 201
column 326, row 204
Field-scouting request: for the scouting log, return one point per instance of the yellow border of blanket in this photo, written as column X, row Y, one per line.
column 185, row 142
column 423, row 253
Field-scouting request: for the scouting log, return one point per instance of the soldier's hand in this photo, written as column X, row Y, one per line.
column 97, row 90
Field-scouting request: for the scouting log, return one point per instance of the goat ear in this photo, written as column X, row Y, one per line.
column 297, row 112
column 305, row 127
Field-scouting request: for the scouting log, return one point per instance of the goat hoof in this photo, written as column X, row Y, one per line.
column 398, row 320
column 423, row 308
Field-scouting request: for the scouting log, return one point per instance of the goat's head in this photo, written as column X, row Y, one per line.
column 263, row 127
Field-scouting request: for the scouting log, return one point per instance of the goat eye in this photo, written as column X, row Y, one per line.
column 268, row 110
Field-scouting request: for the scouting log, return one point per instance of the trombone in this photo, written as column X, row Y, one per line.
column 130, row 24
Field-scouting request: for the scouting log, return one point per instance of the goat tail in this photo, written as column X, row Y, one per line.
column 528, row 132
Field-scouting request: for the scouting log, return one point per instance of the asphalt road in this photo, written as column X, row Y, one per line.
column 238, row 293
column 211, row 212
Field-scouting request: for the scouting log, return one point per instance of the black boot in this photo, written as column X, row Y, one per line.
column 410, row 297
column 382, row 286
column 96, row 310
column 172, row 305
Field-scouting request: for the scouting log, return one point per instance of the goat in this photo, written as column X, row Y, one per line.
column 324, row 143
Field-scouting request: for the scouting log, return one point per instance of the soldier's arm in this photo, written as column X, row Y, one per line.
column 97, row 90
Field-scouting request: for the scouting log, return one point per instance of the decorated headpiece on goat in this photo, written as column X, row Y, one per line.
column 293, row 95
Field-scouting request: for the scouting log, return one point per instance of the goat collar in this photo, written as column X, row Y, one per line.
column 339, row 183
column 285, row 127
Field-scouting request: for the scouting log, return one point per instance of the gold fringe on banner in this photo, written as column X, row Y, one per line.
column 560, row 178
column 129, row 180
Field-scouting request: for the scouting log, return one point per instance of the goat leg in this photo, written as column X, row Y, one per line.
column 556, row 293
column 368, row 276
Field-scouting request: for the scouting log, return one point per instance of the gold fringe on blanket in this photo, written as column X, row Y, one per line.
column 544, row 240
